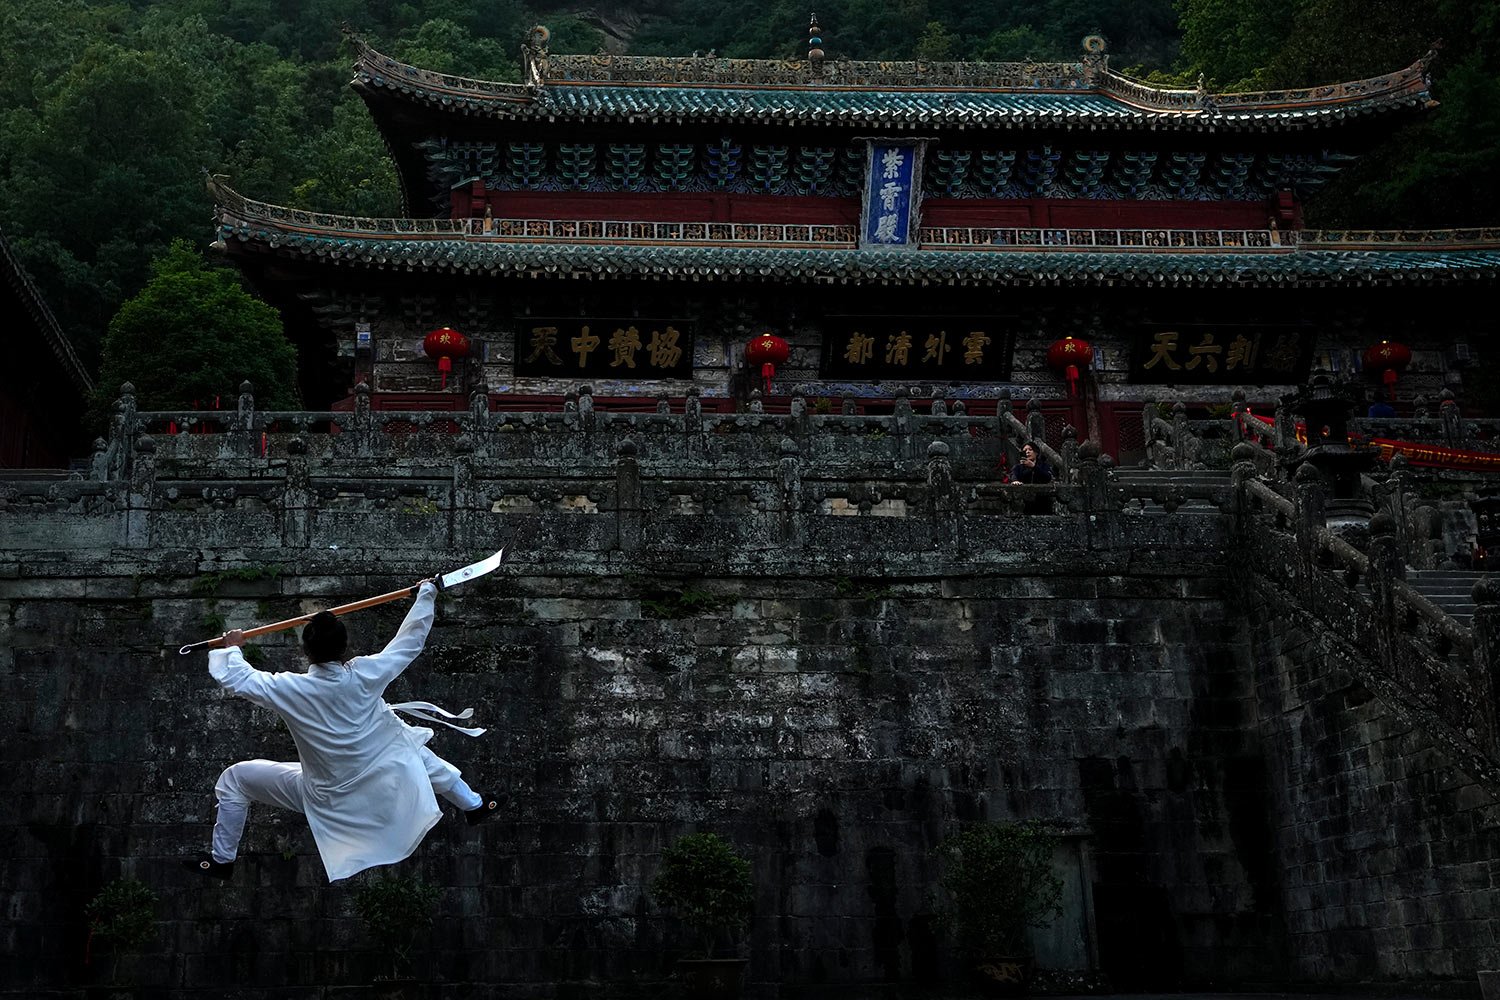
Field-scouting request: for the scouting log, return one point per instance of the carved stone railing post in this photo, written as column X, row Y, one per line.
column 464, row 512
column 1386, row 567
column 1286, row 429
column 757, row 405
column 799, row 421
column 1486, row 594
column 1451, row 419
column 1179, row 436
column 99, row 461
column 789, row 486
column 692, row 411
column 1069, row 452
column 364, row 422
column 1036, row 423
column 901, row 414
column 1242, row 469
column 628, row 511
column 1150, row 417
column 123, row 428
column 1421, row 408
column 570, row 401
column 941, row 495
column 296, row 497
column 1398, row 502
column 1098, row 499
column 939, row 408
column 479, row 420
column 1093, row 476
column 847, row 407
column 1312, row 519
column 586, row 419
column 663, row 403
column 141, row 505
column 1004, row 414
column 239, row 441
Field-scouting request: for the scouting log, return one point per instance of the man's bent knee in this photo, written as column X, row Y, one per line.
column 231, row 784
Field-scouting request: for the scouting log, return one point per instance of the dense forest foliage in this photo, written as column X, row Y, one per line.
column 110, row 113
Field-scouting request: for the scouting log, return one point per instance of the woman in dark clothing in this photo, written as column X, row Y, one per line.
column 1032, row 468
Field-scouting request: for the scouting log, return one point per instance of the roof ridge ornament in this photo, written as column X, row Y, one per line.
column 1095, row 60
column 535, row 51
column 814, row 45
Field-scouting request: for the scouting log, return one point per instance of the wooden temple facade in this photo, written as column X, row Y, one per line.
column 927, row 229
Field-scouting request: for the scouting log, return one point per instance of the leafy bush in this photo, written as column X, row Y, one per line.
column 394, row 911
column 124, row 915
column 707, row 883
column 999, row 882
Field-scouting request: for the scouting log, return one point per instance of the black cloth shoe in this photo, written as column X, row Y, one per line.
column 204, row 864
column 487, row 809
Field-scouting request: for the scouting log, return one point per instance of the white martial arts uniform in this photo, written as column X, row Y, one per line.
column 366, row 780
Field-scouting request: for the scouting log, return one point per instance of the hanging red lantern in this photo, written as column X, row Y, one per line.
column 1388, row 357
column 768, row 351
column 445, row 344
column 1068, row 356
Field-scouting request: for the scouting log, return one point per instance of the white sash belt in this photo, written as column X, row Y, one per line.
column 420, row 710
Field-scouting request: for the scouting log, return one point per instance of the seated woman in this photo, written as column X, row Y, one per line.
column 1032, row 468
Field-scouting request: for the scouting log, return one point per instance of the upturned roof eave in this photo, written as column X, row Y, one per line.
column 1114, row 101
column 1278, row 267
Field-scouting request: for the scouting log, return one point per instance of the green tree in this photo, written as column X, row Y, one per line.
column 191, row 334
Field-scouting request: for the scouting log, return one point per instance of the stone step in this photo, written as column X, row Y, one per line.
column 1448, row 589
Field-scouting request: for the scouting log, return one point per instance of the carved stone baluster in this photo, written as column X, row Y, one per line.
column 942, row 496
column 789, row 484
column 628, row 511
column 141, row 509
column 1451, row 419
column 296, row 497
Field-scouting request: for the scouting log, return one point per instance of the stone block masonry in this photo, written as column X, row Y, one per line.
column 835, row 728
column 1264, row 779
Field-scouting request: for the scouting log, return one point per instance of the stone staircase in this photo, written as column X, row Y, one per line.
column 1450, row 590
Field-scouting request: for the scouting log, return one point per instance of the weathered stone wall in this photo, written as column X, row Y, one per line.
column 836, row 725
column 832, row 641
column 1385, row 841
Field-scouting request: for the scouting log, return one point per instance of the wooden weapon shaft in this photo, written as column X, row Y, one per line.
column 282, row 626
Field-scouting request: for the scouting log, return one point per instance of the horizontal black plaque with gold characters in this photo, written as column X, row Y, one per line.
column 605, row 348
column 1220, row 354
column 943, row 348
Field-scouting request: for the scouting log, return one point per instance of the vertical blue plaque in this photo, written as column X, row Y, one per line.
column 890, row 195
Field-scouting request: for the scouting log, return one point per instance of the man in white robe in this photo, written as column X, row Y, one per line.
column 365, row 780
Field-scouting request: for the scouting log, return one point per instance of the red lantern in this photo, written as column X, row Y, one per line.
column 445, row 344
column 768, row 351
column 1068, row 356
column 1388, row 357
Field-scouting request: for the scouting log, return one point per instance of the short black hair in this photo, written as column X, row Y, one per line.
column 324, row 638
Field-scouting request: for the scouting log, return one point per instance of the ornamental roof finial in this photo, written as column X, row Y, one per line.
column 1095, row 61
column 814, row 41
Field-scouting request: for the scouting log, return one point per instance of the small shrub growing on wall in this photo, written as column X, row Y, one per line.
column 123, row 916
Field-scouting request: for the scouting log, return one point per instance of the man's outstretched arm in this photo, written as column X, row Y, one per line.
column 386, row 665
column 235, row 675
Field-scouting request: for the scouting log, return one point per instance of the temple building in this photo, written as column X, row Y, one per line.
column 946, row 231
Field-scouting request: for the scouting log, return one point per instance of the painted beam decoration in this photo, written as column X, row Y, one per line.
column 940, row 348
column 1220, row 354
column 893, row 192
column 605, row 348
